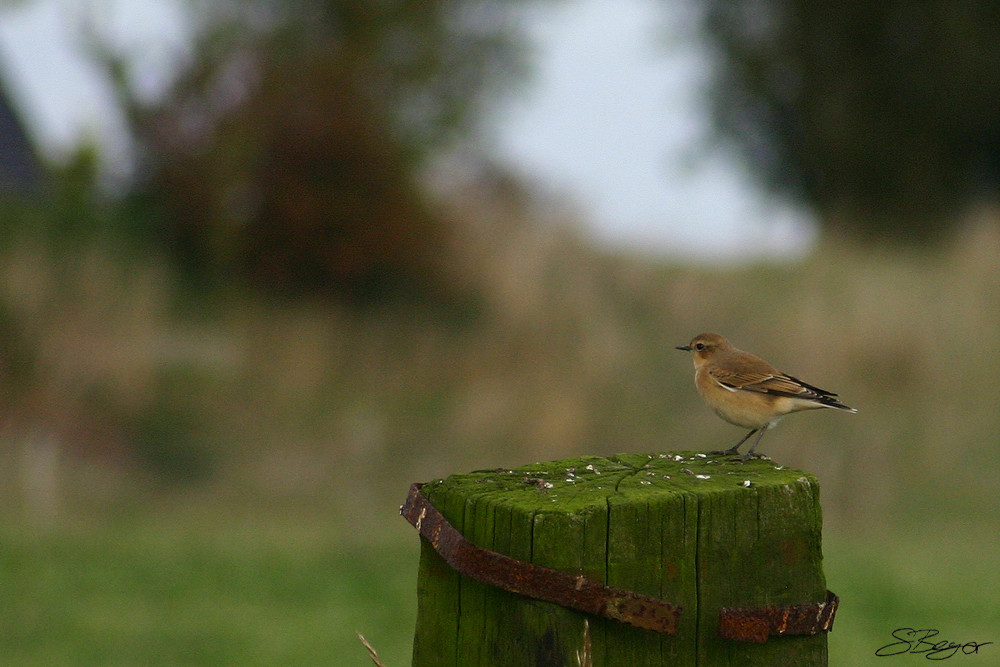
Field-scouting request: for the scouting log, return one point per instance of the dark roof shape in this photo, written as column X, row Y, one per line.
column 20, row 167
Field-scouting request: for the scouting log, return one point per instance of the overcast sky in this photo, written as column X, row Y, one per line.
column 612, row 117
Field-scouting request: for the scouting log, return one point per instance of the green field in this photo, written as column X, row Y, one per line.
column 159, row 590
column 182, row 587
column 933, row 577
column 217, row 482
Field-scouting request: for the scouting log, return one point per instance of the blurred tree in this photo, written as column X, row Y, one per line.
column 883, row 116
column 289, row 152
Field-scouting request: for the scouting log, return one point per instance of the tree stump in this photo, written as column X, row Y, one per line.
column 698, row 531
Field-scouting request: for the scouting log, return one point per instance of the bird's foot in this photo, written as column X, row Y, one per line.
column 734, row 455
column 732, row 451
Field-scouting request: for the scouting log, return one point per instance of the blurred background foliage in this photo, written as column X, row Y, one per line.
column 882, row 116
column 289, row 153
column 218, row 381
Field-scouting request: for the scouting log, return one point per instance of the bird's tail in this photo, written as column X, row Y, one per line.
column 827, row 399
column 831, row 402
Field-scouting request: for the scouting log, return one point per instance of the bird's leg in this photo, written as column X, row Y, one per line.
column 735, row 449
column 750, row 453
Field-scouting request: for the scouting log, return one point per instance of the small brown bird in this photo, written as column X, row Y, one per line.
column 747, row 391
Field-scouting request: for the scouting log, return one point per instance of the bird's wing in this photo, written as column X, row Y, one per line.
column 762, row 382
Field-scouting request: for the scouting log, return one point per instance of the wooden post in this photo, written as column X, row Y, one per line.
column 698, row 531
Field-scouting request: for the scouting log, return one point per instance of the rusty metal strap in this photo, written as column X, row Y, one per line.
column 757, row 624
column 540, row 583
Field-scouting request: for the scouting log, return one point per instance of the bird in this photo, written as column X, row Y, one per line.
column 746, row 391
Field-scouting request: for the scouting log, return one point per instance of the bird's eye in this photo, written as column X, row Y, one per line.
column 699, row 346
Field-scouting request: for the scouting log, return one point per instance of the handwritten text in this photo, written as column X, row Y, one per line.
column 912, row 640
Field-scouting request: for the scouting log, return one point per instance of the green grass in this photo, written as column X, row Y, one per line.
column 935, row 576
column 175, row 591
column 196, row 586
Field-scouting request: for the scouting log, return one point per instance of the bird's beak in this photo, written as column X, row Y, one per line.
column 686, row 348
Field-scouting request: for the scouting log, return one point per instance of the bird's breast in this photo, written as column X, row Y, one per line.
column 749, row 409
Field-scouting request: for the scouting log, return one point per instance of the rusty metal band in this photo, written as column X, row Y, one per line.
column 534, row 581
column 576, row 592
column 757, row 624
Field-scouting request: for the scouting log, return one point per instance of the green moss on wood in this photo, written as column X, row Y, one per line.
column 700, row 531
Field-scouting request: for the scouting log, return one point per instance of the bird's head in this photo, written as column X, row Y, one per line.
column 705, row 345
